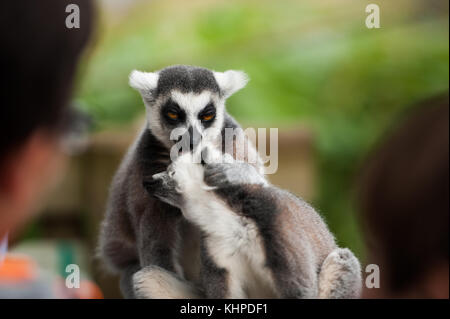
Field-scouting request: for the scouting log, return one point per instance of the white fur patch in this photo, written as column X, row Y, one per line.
column 231, row 81
column 143, row 81
column 191, row 102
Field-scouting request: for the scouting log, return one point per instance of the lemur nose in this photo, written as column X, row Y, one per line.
column 196, row 138
column 193, row 136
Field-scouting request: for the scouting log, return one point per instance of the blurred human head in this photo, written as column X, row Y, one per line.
column 404, row 197
column 38, row 58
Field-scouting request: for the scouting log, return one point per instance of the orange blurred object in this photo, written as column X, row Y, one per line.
column 17, row 268
column 88, row 290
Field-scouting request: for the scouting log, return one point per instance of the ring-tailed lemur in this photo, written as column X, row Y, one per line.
column 157, row 250
column 258, row 241
column 140, row 233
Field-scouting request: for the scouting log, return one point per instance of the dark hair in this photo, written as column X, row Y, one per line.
column 38, row 59
column 405, row 195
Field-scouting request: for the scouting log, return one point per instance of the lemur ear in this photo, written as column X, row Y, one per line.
column 230, row 81
column 143, row 81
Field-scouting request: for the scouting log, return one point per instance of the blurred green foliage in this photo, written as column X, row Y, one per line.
column 311, row 63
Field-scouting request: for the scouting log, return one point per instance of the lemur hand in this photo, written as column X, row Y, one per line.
column 217, row 175
column 222, row 170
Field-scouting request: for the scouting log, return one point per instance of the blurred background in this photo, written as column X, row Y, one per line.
column 329, row 84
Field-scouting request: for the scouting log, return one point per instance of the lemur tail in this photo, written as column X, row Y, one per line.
column 340, row 276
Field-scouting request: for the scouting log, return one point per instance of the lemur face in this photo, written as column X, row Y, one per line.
column 186, row 103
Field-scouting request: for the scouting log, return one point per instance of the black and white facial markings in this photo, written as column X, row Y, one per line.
column 186, row 100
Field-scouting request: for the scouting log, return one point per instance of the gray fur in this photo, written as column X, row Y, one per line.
column 126, row 281
column 214, row 279
column 186, row 79
column 299, row 251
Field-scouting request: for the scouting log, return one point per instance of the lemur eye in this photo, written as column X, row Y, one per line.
column 208, row 113
column 208, row 117
column 172, row 115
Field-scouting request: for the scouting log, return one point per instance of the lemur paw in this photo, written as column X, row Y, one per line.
column 220, row 169
column 153, row 282
column 224, row 174
column 340, row 276
column 344, row 257
column 163, row 187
